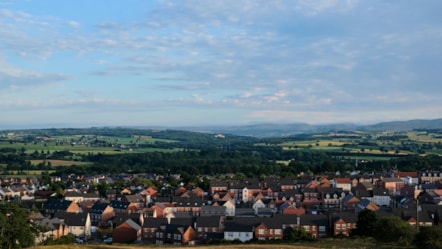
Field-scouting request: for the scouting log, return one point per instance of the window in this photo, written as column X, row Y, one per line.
column 277, row 231
column 261, row 231
column 200, row 229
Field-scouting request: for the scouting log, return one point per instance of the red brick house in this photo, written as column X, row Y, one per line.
column 344, row 223
column 268, row 230
column 128, row 231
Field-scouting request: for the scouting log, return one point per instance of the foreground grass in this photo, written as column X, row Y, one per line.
column 240, row 246
column 326, row 243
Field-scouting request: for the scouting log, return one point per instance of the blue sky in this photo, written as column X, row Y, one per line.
column 176, row 63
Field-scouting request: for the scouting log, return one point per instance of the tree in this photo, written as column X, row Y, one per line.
column 16, row 230
column 393, row 229
column 429, row 237
column 365, row 226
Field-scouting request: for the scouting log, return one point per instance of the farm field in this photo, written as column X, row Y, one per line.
column 79, row 145
column 370, row 146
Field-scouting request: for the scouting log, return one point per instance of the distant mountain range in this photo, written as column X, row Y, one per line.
column 273, row 130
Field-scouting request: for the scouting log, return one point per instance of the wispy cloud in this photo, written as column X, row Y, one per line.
column 298, row 59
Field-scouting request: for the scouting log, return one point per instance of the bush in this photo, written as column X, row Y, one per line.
column 429, row 237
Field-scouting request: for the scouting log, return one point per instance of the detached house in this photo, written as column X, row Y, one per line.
column 344, row 223
column 77, row 223
column 128, row 231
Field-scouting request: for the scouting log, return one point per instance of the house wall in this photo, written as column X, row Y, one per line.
column 264, row 233
column 124, row 233
column 241, row 236
column 342, row 227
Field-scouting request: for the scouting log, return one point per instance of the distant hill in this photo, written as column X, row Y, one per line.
column 278, row 130
column 254, row 130
column 406, row 125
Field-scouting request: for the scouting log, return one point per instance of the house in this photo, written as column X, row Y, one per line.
column 316, row 225
column 286, row 184
column 244, row 212
column 150, row 227
column 77, row 223
column 349, row 202
column 393, row 185
column 291, row 210
column 228, row 204
column 238, row 231
column 343, row 183
column 366, row 204
column 213, row 211
column 128, row 231
column 409, row 178
column 100, row 213
column 136, row 200
column 50, row 228
column 344, row 223
column 209, row 225
column 122, row 206
column 111, row 194
column 310, row 197
column 80, row 197
column 268, row 229
column 331, row 197
column 61, row 206
column 175, row 234
column 432, row 197
column 381, row 197
column 120, row 218
column 430, row 176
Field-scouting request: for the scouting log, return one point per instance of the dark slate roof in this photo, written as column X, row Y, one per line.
column 349, row 217
column 312, row 219
column 209, row 221
column 98, row 207
column 182, row 221
column 232, row 226
column 119, row 204
column 248, row 212
column 120, row 218
column 154, row 222
column 172, row 228
column 73, row 219
column 58, row 204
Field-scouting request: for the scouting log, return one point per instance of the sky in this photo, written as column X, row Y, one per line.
column 83, row 63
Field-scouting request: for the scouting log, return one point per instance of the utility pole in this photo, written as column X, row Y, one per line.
column 417, row 214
